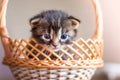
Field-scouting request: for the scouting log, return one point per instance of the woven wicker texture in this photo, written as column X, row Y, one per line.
column 79, row 54
column 29, row 60
column 52, row 74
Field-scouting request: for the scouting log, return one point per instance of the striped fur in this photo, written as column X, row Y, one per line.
column 55, row 23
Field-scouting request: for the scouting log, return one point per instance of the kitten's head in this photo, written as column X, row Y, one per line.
column 54, row 28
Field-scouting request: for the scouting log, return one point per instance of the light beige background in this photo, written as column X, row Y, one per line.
column 19, row 12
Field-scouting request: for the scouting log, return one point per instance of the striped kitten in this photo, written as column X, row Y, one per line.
column 54, row 28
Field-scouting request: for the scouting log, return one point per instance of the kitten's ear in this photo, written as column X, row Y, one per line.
column 74, row 22
column 34, row 22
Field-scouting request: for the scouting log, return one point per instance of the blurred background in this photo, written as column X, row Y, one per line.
column 20, row 11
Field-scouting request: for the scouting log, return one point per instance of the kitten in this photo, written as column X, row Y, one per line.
column 54, row 28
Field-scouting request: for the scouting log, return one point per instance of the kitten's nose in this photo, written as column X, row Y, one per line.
column 55, row 45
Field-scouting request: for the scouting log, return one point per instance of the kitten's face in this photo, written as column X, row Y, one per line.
column 54, row 32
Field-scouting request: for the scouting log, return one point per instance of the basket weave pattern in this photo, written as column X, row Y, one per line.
column 80, row 53
column 29, row 60
column 22, row 73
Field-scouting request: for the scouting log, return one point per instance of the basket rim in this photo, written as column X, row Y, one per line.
column 30, row 64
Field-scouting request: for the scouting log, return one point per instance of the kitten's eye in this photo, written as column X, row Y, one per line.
column 46, row 37
column 64, row 36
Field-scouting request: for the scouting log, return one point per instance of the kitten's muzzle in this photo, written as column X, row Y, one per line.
column 54, row 45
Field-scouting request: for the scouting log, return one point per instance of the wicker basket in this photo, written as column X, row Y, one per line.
column 31, row 61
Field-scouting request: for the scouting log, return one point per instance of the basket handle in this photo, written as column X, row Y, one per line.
column 99, row 20
column 5, row 36
column 3, row 8
column 3, row 30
